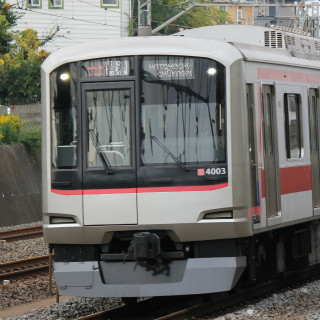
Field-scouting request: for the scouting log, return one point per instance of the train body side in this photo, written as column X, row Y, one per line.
column 293, row 174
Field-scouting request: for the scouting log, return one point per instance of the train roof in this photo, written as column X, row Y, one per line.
column 156, row 45
column 265, row 44
column 225, row 43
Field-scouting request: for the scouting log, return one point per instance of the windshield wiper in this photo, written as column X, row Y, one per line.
column 104, row 159
column 170, row 154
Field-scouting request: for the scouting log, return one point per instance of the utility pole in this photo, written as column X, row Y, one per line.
column 144, row 18
column 191, row 4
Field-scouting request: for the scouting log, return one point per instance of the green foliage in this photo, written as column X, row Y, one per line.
column 9, row 135
column 7, row 20
column 12, row 132
column 20, row 70
column 163, row 10
column 31, row 138
column 10, row 127
column 20, row 84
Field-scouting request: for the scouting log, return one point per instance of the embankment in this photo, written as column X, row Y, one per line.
column 20, row 187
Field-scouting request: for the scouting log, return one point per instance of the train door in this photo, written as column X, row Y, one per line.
column 271, row 166
column 255, row 197
column 314, row 145
column 109, row 170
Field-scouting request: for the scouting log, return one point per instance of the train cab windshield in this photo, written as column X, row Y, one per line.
column 182, row 111
column 124, row 113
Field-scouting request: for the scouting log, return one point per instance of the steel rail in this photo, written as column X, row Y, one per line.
column 95, row 316
column 145, row 309
column 21, row 233
column 18, row 268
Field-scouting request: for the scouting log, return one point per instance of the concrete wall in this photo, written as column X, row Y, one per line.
column 30, row 114
column 20, row 187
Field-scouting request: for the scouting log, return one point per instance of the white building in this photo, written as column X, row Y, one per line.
column 68, row 22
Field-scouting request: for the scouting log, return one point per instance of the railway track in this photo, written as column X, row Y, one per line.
column 21, row 234
column 196, row 307
column 20, row 268
column 145, row 309
column 96, row 316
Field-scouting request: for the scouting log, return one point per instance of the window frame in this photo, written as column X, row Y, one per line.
column 287, row 126
column 239, row 16
column 31, row 5
column 55, row 6
column 109, row 5
column 113, row 147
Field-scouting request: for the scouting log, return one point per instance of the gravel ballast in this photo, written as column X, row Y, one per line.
column 302, row 303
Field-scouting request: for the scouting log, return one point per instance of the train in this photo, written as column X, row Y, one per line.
column 183, row 164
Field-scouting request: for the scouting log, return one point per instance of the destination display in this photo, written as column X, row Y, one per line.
column 168, row 68
column 108, row 67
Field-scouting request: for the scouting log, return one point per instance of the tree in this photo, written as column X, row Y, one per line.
column 20, row 70
column 7, row 20
column 163, row 10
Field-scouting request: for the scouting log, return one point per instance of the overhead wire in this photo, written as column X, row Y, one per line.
column 172, row 24
column 178, row 5
column 169, row 5
column 98, row 6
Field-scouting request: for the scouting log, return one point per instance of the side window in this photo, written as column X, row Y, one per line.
column 292, row 113
column 110, row 3
column 64, row 117
column 55, row 4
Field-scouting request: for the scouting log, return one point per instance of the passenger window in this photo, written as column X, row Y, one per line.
column 293, row 125
column 64, row 144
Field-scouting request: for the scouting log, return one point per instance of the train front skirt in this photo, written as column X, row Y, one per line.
column 130, row 279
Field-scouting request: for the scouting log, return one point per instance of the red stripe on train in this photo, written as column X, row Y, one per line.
column 138, row 190
column 290, row 76
column 292, row 180
column 295, row 179
column 181, row 189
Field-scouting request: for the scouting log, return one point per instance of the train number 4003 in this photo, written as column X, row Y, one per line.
column 216, row 171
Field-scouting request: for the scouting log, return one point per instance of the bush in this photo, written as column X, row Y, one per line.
column 10, row 127
column 11, row 132
column 31, row 138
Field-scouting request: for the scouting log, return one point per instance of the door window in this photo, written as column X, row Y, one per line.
column 293, row 126
column 108, row 120
column 271, row 165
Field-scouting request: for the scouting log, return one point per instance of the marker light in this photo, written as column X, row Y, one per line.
column 211, row 71
column 58, row 220
column 64, row 76
column 219, row 215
